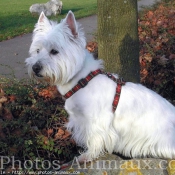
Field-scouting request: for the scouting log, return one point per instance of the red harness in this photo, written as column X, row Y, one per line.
column 84, row 81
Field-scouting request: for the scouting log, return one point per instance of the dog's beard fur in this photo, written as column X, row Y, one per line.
column 144, row 122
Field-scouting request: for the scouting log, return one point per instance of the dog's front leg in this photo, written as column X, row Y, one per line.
column 95, row 147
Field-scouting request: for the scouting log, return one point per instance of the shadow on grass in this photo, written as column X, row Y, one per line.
column 74, row 10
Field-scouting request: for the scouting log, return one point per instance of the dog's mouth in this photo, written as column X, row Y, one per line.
column 42, row 78
column 38, row 75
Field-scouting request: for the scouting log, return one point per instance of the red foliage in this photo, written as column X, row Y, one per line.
column 157, row 49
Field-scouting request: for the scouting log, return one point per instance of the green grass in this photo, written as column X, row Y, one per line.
column 15, row 18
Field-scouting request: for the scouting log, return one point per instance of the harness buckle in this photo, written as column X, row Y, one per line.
column 121, row 81
column 83, row 82
column 109, row 75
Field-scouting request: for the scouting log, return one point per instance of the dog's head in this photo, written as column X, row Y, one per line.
column 57, row 51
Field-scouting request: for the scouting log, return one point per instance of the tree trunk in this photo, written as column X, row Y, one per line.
column 118, row 43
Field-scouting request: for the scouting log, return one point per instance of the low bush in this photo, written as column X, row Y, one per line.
column 32, row 122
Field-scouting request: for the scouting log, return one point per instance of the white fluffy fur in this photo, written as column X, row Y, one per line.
column 144, row 122
column 52, row 7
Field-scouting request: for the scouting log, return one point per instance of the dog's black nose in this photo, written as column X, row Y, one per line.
column 37, row 67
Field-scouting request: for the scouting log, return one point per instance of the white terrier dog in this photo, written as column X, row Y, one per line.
column 143, row 123
column 51, row 7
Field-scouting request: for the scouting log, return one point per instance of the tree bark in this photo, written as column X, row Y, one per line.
column 118, row 43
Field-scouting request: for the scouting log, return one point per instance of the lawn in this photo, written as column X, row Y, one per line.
column 15, row 18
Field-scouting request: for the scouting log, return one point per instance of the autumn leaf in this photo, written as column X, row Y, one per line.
column 62, row 134
column 59, row 134
column 12, row 98
column 91, row 46
column 49, row 92
column 150, row 14
column 66, row 134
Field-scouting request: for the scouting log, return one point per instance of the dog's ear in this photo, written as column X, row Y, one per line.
column 42, row 18
column 71, row 22
column 43, row 23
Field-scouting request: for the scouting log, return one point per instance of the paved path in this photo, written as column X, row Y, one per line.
column 13, row 52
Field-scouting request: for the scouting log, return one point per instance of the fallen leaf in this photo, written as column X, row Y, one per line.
column 150, row 15
column 148, row 57
column 66, row 134
column 12, row 98
column 59, row 134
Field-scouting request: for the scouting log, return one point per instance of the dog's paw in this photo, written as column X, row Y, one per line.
column 84, row 158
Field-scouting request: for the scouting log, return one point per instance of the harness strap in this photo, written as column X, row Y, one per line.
column 84, row 81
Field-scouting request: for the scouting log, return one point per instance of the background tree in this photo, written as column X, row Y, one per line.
column 118, row 43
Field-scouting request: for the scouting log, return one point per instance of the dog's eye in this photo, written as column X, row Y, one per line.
column 54, row 52
column 37, row 50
